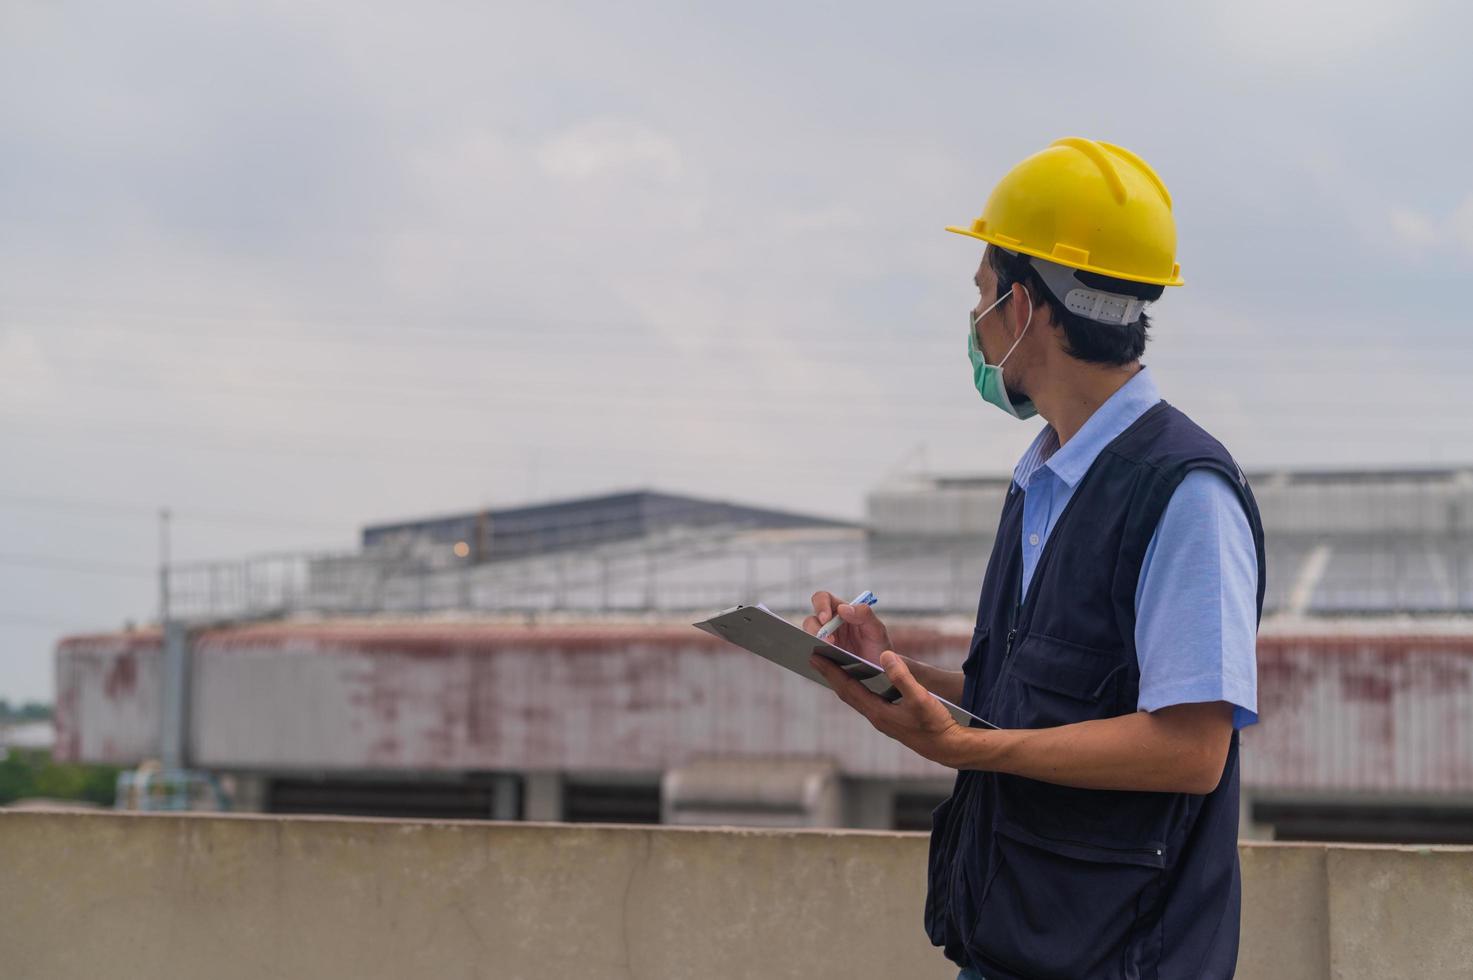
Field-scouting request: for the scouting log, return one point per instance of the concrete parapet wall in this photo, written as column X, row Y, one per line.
column 88, row 895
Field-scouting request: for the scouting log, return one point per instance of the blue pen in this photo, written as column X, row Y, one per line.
column 867, row 598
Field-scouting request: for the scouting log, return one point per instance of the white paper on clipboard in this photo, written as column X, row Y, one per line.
column 771, row 637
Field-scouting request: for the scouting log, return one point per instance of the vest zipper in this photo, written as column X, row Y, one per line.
column 1007, row 652
column 1007, row 656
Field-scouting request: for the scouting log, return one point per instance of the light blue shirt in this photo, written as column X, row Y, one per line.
column 1196, row 602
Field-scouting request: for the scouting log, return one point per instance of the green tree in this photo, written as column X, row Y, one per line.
column 30, row 711
column 26, row 773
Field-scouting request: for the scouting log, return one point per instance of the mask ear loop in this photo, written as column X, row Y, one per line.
column 995, row 304
column 1026, row 325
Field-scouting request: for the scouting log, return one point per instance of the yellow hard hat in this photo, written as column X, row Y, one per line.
column 1086, row 205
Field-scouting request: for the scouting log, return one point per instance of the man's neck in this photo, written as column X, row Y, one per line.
column 1075, row 391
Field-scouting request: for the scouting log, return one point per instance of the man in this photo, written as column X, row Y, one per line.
column 1094, row 832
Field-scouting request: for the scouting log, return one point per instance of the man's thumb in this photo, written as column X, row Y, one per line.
column 900, row 676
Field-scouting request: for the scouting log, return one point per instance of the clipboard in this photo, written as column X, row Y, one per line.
column 758, row 630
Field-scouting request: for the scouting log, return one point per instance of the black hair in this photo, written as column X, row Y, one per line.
column 1086, row 340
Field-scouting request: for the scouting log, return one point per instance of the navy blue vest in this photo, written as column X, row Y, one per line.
column 1033, row 880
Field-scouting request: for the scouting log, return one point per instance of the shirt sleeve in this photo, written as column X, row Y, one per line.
column 1197, row 602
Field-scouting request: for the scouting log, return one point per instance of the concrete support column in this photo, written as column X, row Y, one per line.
column 869, row 804
column 247, row 791
column 1247, row 828
column 174, row 730
column 506, row 799
column 543, row 796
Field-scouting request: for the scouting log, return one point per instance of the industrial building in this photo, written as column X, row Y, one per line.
column 517, row 532
column 454, row 667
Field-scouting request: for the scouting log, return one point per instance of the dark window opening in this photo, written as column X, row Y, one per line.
column 471, row 799
column 586, row 802
column 913, row 810
column 1364, row 823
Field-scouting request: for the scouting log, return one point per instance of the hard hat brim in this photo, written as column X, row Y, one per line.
column 1013, row 246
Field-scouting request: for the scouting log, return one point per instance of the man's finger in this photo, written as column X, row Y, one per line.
column 853, row 616
column 849, row 690
column 824, row 604
column 837, row 680
column 812, row 625
column 865, row 621
column 900, row 677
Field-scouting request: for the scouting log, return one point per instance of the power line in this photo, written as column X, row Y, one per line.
column 736, row 402
column 63, row 503
column 735, row 398
column 74, row 565
column 460, row 331
column 37, row 622
column 151, row 511
column 609, row 343
column 1328, row 434
column 356, row 324
column 462, row 453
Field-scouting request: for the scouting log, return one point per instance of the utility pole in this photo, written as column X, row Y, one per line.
column 164, row 516
column 174, row 734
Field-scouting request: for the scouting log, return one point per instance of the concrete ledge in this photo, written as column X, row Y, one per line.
column 1404, row 912
column 1285, row 911
column 119, row 895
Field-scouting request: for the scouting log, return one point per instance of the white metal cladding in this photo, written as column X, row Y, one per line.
column 930, row 508
column 640, row 698
column 109, row 697
column 1366, row 504
column 1366, row 713
column 1353, row 504
column 1346, row 712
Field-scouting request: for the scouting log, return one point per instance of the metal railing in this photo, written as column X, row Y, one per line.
column 1370, row 567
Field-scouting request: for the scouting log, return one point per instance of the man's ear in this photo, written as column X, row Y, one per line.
column 1019, row 309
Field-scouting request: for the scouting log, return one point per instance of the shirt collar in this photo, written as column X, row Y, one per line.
column 1072, row 460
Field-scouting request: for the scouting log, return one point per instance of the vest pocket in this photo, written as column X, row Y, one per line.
column 938, row 871
column 1054, row 682
column 972, row 669
column 1067, row 909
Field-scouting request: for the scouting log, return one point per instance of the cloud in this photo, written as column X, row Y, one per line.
column 1311, row 36
column 604, row 147
column 475, row 253
column 27, row 379
column 1460, row 224
column 1423, row 232
column 1411, row 227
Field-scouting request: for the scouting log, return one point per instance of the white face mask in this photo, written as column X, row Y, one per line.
column 988, row 377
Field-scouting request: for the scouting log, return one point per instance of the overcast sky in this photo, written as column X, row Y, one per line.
column 290, row 268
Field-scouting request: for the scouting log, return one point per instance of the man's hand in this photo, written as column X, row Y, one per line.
column 865, row 636
column 862, row 633
column 917, row 721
